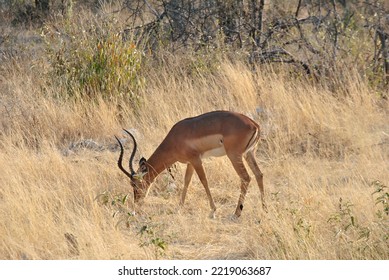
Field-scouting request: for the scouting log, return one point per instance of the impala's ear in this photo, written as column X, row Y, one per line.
column 143, row 168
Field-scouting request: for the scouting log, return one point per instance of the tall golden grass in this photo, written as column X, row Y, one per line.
column 323, row 155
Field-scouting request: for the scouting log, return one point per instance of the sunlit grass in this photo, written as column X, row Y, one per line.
column 323, row 155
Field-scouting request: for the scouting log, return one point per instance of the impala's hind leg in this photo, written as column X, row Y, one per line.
column 239, row 167
column 250, row 158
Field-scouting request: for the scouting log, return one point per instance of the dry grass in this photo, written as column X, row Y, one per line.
column 61, row 198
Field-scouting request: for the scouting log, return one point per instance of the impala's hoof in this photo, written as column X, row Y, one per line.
column 212, row 215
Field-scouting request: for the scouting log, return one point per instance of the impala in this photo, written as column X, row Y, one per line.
column 190, row 140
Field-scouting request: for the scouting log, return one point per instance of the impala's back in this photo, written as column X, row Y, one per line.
column 213, row 134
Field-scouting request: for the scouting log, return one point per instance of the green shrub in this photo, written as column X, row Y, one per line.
column 93, row 61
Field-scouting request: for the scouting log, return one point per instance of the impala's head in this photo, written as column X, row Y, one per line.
column 138, row 181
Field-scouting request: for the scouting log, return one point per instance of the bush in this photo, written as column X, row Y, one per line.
column 93, row 61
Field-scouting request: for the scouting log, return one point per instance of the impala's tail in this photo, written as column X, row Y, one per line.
column 253, row 140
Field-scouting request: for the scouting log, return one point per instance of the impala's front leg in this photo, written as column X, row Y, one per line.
column 188, row 177
column 203, row 179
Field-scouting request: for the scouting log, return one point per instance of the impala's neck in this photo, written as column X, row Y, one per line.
column 158, row 162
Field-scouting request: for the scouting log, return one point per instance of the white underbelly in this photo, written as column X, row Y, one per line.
column 217, row 152
column 208, row 146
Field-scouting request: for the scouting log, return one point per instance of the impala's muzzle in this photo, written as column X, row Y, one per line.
column 140, row 189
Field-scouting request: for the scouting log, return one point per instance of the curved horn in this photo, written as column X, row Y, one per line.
column 120, row 160
column 133, row 152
